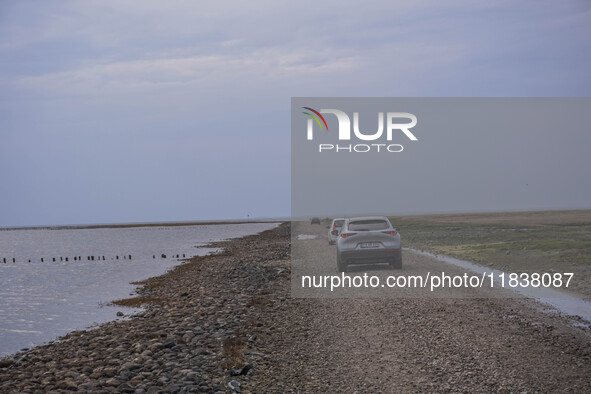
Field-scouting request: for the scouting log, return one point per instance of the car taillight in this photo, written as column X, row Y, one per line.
column 392, row 233
column 345, row 235
column 334, row 228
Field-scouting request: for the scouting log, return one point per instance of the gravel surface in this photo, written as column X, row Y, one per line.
column 227, row 323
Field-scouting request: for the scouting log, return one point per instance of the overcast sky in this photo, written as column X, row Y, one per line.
column 135, row 111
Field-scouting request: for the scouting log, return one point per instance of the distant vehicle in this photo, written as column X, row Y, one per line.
column 368, row 240
column 315, row 221
column 333, row 230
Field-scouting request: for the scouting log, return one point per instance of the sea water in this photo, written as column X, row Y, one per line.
column 40, row 301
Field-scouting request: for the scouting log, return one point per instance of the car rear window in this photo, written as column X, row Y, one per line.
column 368, row 225
column 339, row 223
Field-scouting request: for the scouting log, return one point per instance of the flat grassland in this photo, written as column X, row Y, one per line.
column 532, row 242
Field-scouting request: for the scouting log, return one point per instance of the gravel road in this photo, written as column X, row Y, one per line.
column 416, row 344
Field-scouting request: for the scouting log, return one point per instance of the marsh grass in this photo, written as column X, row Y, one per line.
column 135, row 302
column 549, row 241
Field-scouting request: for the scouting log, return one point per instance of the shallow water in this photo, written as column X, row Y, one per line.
column 40, row 301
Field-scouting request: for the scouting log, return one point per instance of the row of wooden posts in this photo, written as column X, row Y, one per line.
column 90, row 258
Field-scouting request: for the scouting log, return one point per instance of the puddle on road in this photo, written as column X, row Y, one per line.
column 307, row 236
column 563, row 302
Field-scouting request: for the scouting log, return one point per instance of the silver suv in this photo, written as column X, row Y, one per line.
column 368, row 240
column 333, row 230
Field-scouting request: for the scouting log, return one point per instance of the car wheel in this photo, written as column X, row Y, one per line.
column 341, row 265
column 396, row 261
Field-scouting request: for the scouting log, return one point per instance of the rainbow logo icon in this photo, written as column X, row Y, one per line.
column 316, row 118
